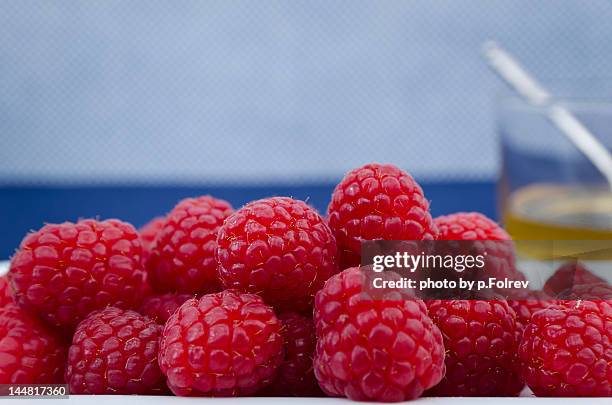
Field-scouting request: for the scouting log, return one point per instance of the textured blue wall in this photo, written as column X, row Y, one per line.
column 257, row 91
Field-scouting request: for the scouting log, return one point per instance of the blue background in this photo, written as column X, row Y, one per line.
column 31, row 206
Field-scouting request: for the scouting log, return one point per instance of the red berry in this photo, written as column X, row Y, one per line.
column 295, row 375
column 469, row 226
column 114, row 351
column 592, row 292
column 147, row 290
column 279, row 248
column 223, row 344
column 488, row 238
column 29, row 352
column 529, row 303
column 374, row 349
column 569, row 275
column 566, row 350
column 377, row 202
column 6, row 295
column 182, row 257
column 63, row 272
column 481, row 348
column 160, row 307
column 148, row 232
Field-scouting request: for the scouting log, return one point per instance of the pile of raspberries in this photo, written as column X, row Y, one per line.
column 267, row 300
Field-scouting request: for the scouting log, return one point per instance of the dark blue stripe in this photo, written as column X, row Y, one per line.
column 27, row 208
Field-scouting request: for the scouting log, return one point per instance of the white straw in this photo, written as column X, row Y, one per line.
column 508, row 68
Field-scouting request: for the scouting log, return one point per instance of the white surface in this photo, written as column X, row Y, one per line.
column 526, row 396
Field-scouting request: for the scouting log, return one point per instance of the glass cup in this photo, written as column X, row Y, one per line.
column 548, row 190
column 553, row 201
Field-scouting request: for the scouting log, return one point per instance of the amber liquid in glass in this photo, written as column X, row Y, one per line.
column 545, row 212
column 550, row 212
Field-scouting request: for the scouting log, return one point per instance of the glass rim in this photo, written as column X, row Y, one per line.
column 575, row 103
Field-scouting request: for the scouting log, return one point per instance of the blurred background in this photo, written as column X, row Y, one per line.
column 120, row 108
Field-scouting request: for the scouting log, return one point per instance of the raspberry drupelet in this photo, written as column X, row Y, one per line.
column 114, row 351
column 279, row 248
column 370, row 349
column 377, row 201
column 182, row 257
column 223, row 344
column 63, row 272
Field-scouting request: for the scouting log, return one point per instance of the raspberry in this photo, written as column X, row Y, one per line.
column 377, row 202
column 29, row 352
column 567, row 276
column 6, row 295
column 279, row 248
column 114, row 351
column 592, row 292
column 223, row 344
column 469, row 226
column 147, row 290
column 148, row 232
column 63, row 272
column 182, row 257
column 530, row 303
column 493, row 241
column 295, row 375
column 374, row 349
column 481, row 348
column 567, row 350
column 160, row 307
